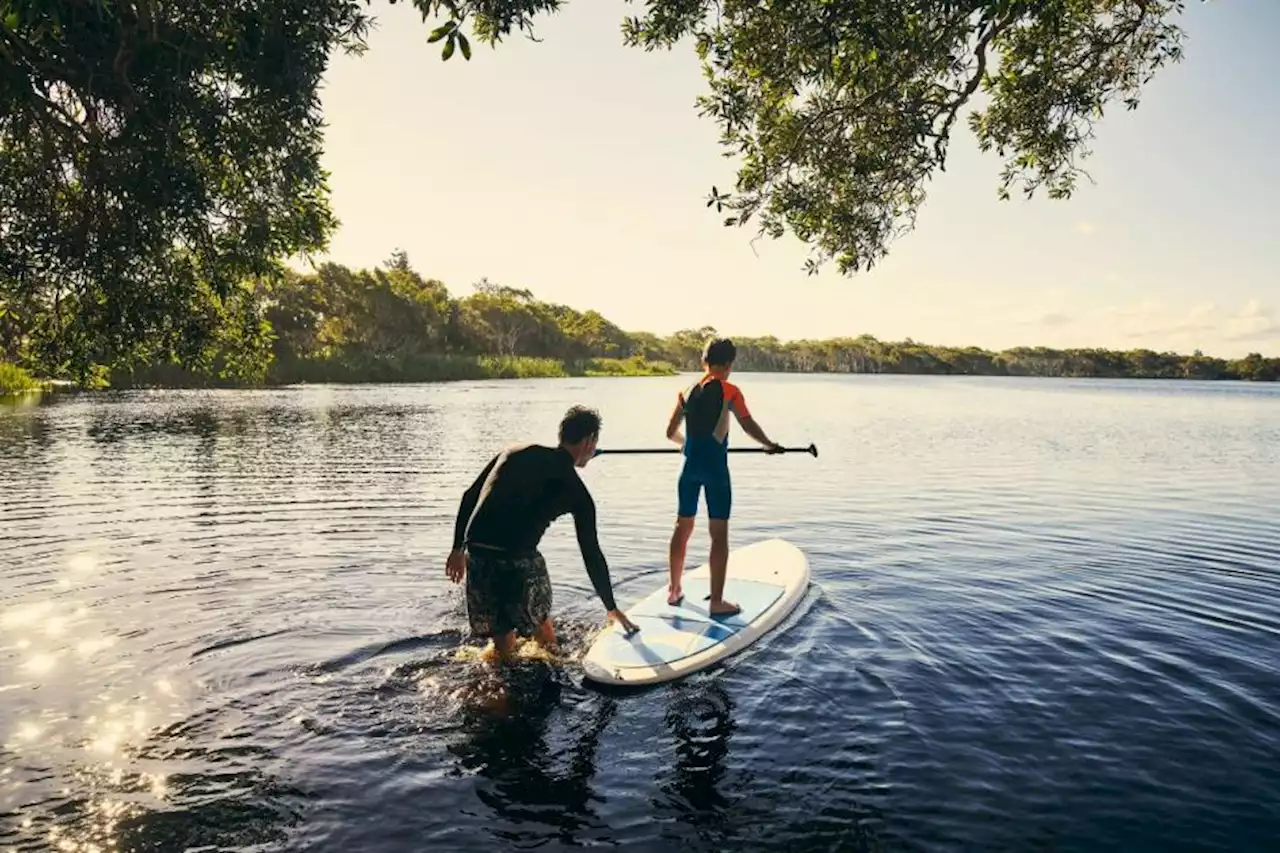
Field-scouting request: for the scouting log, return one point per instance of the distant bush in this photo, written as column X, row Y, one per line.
column 15, row 380
column 634, row 366
column 361, row 367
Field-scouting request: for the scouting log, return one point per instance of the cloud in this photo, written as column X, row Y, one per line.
column 1054, row 320
column 1254, row 323
column 1147, row 309
column 1197, row 321
column 1204, row 309
column 1202, row 325
column 1046, row 320
column 1169, row 331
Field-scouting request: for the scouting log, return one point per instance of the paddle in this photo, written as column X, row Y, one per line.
column 812, row 450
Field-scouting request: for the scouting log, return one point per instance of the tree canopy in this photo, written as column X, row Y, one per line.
column 156, row 156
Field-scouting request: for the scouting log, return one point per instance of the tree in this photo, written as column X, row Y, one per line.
column 399, row 261
column 500, row 321
column 841, row 110
column 154, row 157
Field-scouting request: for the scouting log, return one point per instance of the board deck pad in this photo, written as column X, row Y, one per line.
column 767, row 580
column 753, row 597
column 668, row 633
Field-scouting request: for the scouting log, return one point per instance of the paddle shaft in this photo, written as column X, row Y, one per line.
column 811, row 450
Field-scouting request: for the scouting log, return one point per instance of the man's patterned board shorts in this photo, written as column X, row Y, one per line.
column 506, row 593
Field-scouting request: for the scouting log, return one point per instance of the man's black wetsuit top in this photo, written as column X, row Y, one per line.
column 516, row 497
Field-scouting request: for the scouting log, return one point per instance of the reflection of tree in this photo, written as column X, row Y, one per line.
column 702, row 722
column 26, row 441
column 511, row 753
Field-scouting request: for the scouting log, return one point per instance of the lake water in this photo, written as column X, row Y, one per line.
column 1044, row 617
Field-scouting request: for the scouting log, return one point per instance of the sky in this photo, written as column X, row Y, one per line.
column 578, row 168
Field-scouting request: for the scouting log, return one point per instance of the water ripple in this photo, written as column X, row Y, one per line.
column 1044, row 618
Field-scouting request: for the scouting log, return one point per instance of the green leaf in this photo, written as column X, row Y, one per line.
column 466, row 47
column 11, row 21
column 449, row 46
column 441, row 31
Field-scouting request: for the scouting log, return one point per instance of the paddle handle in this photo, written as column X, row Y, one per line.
column 812, row 450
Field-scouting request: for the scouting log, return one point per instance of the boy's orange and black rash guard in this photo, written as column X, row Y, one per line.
column 706, row 406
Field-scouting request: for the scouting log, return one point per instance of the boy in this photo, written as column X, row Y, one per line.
column 705, row 408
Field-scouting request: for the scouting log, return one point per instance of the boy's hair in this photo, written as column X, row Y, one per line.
column 719, row 352
column 579, row 423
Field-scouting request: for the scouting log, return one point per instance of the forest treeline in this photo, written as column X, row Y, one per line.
column 390, row 324
column 866, row 354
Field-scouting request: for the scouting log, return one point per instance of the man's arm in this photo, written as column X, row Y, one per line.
column 468, row 505
column 584, row 522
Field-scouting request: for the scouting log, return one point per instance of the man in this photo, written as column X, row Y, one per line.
column 705, row 411
column 500, row 523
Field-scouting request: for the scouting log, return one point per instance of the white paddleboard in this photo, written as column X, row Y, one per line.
column 766, row 579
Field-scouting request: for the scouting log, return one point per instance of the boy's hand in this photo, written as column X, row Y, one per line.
column 774, row 447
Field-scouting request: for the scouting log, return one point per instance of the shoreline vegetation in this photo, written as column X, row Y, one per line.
column 389, row 324
column 429, row 367
column 14, row 381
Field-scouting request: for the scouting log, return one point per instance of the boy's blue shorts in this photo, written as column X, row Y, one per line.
column 705, row 470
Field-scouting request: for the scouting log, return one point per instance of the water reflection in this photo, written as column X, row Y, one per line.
column 70, row 765
column 534, row 777
column 172, row 563
column 114, row 425
column 701, row 721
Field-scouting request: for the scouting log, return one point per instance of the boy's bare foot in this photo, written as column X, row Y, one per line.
column 724, row 608
column 674, row 596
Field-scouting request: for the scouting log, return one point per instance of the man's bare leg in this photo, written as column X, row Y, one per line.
column 719, row 528
column 504, row 646
column 676, row 554
column 546, row 637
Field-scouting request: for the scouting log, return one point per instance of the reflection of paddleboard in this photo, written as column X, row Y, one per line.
column 766, row 579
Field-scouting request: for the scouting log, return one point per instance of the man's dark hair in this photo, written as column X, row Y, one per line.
column 719, row 352
column 579, row 423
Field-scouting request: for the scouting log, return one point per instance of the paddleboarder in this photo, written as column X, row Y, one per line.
column 500, row 523
column 704, row 409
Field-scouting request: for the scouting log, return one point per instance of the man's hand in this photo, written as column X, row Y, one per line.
column 621, row 618
column 774, row 447
column 456, row 566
